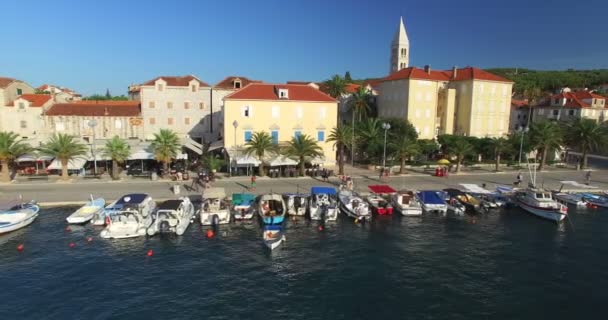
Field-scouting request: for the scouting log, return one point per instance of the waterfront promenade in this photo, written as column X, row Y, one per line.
column 76, row 192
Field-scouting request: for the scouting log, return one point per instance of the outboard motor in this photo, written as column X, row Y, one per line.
column 164, row 227
column 215, row 221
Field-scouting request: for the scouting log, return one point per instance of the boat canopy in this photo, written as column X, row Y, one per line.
column 381, row 188
column 170, row 205
column 430, row 197
column 242, row 198
column 214, row 193
column 473, row 188
column 320, row 190
column 136, row 198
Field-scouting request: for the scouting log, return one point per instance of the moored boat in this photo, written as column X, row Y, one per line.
column 354, row 206
column 596, row 200
column 87, row 212
column 323, row 204
column 100, row 218
column 172, row 216
column 468, row 203
column 405, row 202
column 273, row 236
column 133, row 218
column 243, row 206
column 296, row 203
column 214, row 209
column 271, row 208
column 540, row 202
column 432, row 201
column 570, row 199
column 17, row 216
column 378, row 199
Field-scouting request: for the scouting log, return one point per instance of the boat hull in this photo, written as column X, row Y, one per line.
column 546, row 213
column 8, row 225
column 243, row 212
column 208, row 217
column 317, row 214
column 409, row 211
column 273, row 238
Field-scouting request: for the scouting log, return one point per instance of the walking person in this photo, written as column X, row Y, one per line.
column 519, row 179
column 253, row 179
column 588, row 177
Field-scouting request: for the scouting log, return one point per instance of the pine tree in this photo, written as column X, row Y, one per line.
column 108, row 95
column 347, row 77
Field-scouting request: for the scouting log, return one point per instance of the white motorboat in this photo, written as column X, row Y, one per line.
column 431, row 201
column 172, row 216
column 133, row 218
column 405, row 202
column 570, row 198
column 17, row 216
column 243, row 206
column 541, row 203
column 214, row 209
column 354, row 206
column 323, row 204
column 271, row 208
column 296, row 203
column 487, row 199
column 87, row 212
column 273, row 236
column 101, row 218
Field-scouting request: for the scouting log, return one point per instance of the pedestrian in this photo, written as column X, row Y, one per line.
column 588, row 177
column 253, row 179
column 519, row 179
column 381, row 174
column 445, row 171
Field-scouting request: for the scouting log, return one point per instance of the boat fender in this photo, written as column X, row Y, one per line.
column 20, row 247
column 210, row 234
column 150, row 253
column 107, row 220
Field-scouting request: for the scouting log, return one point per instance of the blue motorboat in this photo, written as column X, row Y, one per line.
column 432, row 201
column 594, row 199
column 271, row 208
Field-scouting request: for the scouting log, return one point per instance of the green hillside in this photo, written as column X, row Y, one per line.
column 552, row 80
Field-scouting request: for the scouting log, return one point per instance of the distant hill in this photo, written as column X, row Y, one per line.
column 552, row 80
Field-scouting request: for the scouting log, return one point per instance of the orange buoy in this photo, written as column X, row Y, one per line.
column 20, row 247
column 210, row 234
column 320, row 228
column 107, row 220
column 72, row 244
column 68, row 229
column 150, row 253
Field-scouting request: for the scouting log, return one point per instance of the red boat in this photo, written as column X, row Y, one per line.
column 378, row 199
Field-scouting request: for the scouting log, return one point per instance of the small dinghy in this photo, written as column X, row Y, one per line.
column 172, row 216
column 17, row 216
column 271, row 208
column 243, row 206
column 570, row 198
column 323, row 204
column 596, row 200
column 214, row 209
column 87, row 212
column 405, row 201
column 273, row 236
column 295, row 203
column 354, row 206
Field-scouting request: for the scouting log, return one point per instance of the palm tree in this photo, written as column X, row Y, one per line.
column 336, row 86
column 460, row 148
column 166, row 144
column 404, row 147
column 119, row 151
column 498, row 146
column 544, row 136
column 64, row 147
column 11, row 148
column 302, row 147
column 360, row 102
column 341, row 136
column 369, row 133
column 260, row 145
column 585, row 135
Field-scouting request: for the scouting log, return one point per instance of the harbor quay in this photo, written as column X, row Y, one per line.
column 77, row 192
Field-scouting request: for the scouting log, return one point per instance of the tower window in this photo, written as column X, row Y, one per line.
column 403, row 52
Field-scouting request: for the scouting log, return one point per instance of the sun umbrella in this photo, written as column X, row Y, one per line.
column 443, row 161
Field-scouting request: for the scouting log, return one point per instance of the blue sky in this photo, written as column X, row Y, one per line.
column 93, row 45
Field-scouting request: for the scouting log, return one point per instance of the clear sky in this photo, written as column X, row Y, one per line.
column 93, row 45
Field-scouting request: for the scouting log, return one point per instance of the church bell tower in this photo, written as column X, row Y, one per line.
column 400, row 49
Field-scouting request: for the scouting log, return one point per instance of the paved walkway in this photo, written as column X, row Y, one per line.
column 78, row 192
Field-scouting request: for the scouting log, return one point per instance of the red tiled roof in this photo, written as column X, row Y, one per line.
column 36, row 100
column 176, row 81
column 417, row 73
column 572, row 101
column 228, row 82
column 352, row 87
column 43, row 87
column 96, row 109
column 301, row 82
column 469, row 73
column 587, row 95
column 4, row 82
column 266, row 91
column 519, row 103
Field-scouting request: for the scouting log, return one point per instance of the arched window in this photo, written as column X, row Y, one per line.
column 403, row 52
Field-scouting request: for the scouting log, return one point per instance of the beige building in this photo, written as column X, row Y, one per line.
column 11, row 88
column 466, row 101
column 567, row 106
column 60, row 94
column 283, row 111
column 181, row 104
column 24, row 116
column 520, row 115
column 112, row 118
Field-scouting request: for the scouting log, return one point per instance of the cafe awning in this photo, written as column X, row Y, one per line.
column 141, row 155
column 242, row 159
column 74, row 164
column 33, row 158
column 282, row 161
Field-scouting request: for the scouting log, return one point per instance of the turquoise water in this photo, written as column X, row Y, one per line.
column 507, row 265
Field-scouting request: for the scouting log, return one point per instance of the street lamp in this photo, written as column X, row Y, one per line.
column 235, row 124
column 92, row 123
column 522, row 131
column 386, row 127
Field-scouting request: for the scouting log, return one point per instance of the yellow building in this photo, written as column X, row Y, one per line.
column 466, row 101
column 283, row 111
